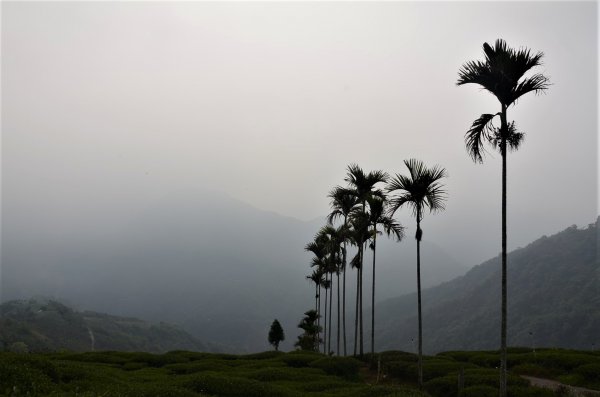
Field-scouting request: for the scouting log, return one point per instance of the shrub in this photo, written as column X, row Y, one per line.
column 479, row 391
column 446, row 386
column 346, row 367
column 299, row 360
column 564, row 360
column 401, row 369
column 589, row 372
column 397, row 355
column 270, row 374
column 530, row 391
column 133, row 366
column 197, row 366
column 263, row 356
column 26, row 375
column 213, row 383
column 535, row 370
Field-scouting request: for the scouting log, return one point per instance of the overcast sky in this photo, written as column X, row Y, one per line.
column 106, row 106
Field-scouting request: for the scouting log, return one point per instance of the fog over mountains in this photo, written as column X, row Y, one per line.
column 218, row 267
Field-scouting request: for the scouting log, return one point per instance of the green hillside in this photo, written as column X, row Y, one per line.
column 46, row 325
column 295, row 374
column 553, row 301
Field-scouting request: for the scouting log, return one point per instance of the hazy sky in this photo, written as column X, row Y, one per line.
column 109, row 106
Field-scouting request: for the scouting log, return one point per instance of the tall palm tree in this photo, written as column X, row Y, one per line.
column 364, row 186
column 419, row 191
column 334, row 239
column 378, row 216
column 358, row 236
column 502, row 73
column 343, row 204
column 318, row 248
column 317, row 278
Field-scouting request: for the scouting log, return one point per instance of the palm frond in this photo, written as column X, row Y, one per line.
column 502, row 70
column 422, row 189
column 481, row 131
column 392, row 228
column 538, row 83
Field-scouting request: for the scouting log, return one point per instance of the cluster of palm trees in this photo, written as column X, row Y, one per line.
column 371, row 199
column 360, row 212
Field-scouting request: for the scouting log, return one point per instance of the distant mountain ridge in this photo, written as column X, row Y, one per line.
column 47, row 325
column 553, row 301
column 217, row 267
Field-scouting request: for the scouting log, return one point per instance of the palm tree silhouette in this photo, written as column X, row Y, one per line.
column 318, row 248
column 502, row 74
column 377, row 216
column 363, row 186
column 316, row 277
column 343, row 204
column 358, row 236
column 331, row 238
column 419, row 191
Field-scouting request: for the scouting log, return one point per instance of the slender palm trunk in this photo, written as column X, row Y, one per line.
column 319, row 321
column 317, row 298
column 325, row 321
column 362, row 344
column 503, row 352
column 356, row 316
column 373, row 295
column 316, row 336
column 344, row 297
column 330, row 310
column 338, row 312
column 420, row 363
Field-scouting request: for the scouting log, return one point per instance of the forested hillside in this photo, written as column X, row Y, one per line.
column 42, row 325
column 553, row 301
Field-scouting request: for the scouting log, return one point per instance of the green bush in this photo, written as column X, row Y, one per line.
column 197, row 366
column 488, row 360
column 346, row 367
column 479, row 391
column 401, row 369
column 97, row 357
column 535, row 370
column 458, row 355
column 299, row 360
column 133, row 366
column 442, row 387
column 438, row 368
column 224, row 386
column 160, row 360
column 397, row 355
column 530, row 391
column 589, row 372
column 564, row 360
column 24, row 374
column 321, row 386
column 271, row 374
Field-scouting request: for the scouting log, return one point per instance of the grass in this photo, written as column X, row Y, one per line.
column 294, row 374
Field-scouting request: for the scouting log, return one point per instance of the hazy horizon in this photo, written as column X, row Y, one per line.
column 109, row 109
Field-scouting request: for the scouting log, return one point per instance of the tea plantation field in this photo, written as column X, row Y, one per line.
column 276, row 374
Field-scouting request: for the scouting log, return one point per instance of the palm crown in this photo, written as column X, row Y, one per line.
column 502, row 74
column 422, row 189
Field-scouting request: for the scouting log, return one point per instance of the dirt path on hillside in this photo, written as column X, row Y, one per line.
column 554, row 385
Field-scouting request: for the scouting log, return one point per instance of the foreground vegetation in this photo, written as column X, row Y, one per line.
column 188, row 374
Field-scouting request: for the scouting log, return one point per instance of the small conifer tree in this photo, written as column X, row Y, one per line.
column 276, row 334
